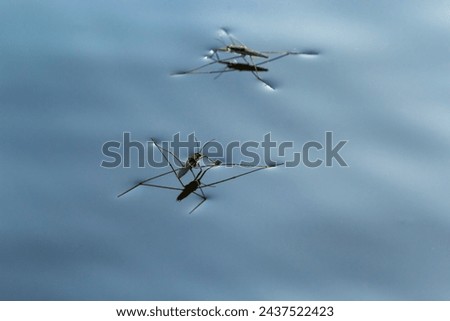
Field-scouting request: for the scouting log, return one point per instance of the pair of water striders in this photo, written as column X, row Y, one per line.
column 238, row 57
column 242, row 59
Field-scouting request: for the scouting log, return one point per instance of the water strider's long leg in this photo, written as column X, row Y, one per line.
column 167, row 160
column 240, row 175
column 142, row 182
column 194, row 71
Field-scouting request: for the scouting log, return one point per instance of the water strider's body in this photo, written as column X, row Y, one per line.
column 242, row 50
column 192, row 161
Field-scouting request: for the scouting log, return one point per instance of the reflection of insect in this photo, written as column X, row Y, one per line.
column 254, row 69
column 195, row 184
column 239, row 62
column 235, row 66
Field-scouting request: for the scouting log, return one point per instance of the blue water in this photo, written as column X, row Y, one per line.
column 76, row 75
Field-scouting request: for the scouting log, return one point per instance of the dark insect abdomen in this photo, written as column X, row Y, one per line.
column 188, row 189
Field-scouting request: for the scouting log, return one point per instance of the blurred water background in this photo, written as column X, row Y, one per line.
column 74, row 75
